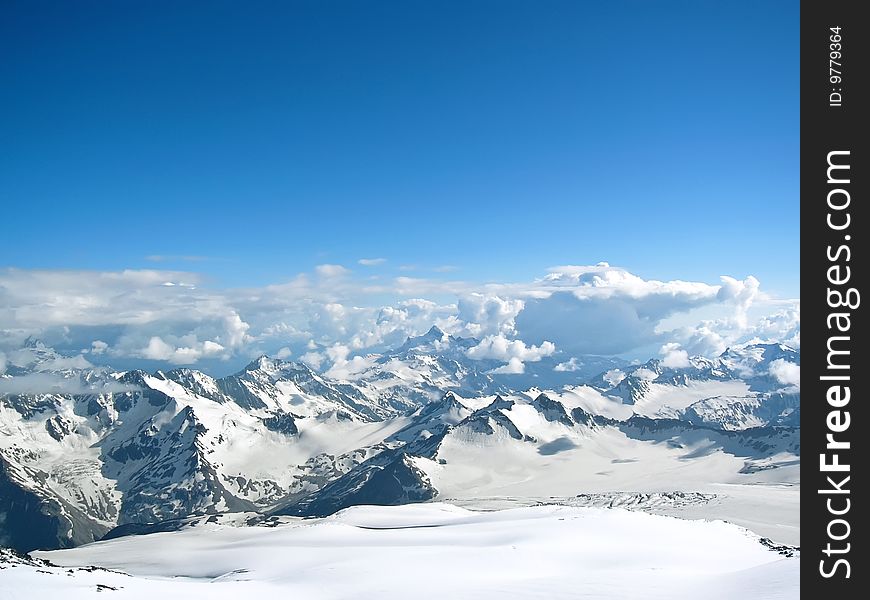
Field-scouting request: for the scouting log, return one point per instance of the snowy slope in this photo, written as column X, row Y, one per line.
column 427, row 551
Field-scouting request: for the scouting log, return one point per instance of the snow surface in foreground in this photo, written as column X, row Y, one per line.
column 427, row 551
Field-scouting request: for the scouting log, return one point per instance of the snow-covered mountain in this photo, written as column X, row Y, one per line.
column 741, row 388
column 86, row 449
column 534, row 445
column 424, row 367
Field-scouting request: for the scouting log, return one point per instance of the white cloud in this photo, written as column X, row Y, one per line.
column 711, row 337
column 283, row 353
column 371, row 262
column 705, row 340
column 614, row 376
column 210, row 348
column 313, row 359
column 2, row 362
column 581, row 310
column 39, row 299
column 32, row 359
column 568, row 366
column 673, row 356
column 782, row 326
column 500, row 348
column 785, row 372
column 488, row 314
column 331, row 270
column 604, row 309
column 741, row 294
column 513, row 367
column 158, row 349
column 645, row 374
column 344, row 368
column 235, row 331
column 61, row 363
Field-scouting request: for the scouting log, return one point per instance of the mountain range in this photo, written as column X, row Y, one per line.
column 88, row 452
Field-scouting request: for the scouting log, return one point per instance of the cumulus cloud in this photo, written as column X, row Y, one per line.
column 500, row 348
column 488, row 314
column 331, row 270
column 570, row 365
column 371, row 262
column 785, row 372
column 158, row 349
column 313, row 359
column 782, row 326
column 343, row 367
column 673, row 356
column 645, row 374
column 177, row 317
column 387, row 326
column 210, row 348
column 605, row 310
column 513, row 367
column 61, row 363
column 704, row 340
column 35, row 359
column 235, row 331
column 741, row 294
column 35, row 299
column 614, row 376
column 137, row 304
column 711, row 337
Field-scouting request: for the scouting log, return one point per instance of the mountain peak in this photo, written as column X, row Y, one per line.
column 262, row 363
column 434, row 332
column 33, row 342
column 274, row 366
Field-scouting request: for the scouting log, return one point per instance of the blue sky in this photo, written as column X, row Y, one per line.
column 199, row 183
column 499, row 138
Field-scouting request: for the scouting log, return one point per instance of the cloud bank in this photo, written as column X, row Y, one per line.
column 333, row 316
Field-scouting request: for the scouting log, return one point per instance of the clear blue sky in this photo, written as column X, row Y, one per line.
column 501, row 137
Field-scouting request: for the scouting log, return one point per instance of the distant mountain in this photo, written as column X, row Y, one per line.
column 426, row 366
column 737, row 390
column 521, row 445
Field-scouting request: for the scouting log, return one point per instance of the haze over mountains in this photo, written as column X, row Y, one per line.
column 87, row 450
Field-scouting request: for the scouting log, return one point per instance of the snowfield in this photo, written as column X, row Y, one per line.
column 431, row 550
